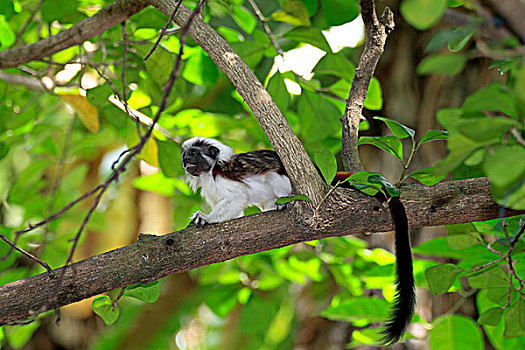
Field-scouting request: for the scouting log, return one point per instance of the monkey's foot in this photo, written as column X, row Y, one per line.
column 199, row 218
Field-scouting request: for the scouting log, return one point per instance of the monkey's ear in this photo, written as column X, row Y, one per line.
column 214, row 151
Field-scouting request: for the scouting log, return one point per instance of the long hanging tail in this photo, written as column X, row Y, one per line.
column 405, row 299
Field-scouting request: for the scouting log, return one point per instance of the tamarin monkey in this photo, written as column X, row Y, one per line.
column 231, row 182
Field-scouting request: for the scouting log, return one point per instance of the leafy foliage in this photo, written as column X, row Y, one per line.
column 55, row 146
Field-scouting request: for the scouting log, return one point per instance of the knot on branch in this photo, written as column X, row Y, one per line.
column 387, row 20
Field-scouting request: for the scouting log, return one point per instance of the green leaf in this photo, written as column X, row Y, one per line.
column 148, row 293
column 483, row 129
column 399, row 130
column 446, row 64
column 170, row 158
column 299, row 197
column 337, row 65
column 461, row 36
column 374, row 96
column 251, row 52
column 515, row 320
column 427, row 176
column 337, row 12
column 390, row 144
column 293, row 12
column 7, row 36
column 491, row 317
column 19, row 336
column 102, row 307
column 505, row 166
column 257, row 315
column 354, row 309
column 455, row 332
column 159, row 64
column 319, row 117
column 311, row 36
column 277, row 89
column 327, row 163
column 222, row 300
column 4, row 149
column 7, row 9
column 492, row 98
column 433, row 135
column 423, row 14
column 244, row 19
column 488, row 278
column 462, row 236
column 380, row 179
column 200, row 69
column 440, row 278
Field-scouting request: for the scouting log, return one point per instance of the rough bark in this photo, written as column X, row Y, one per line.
column 376, row 34
column 152, row 257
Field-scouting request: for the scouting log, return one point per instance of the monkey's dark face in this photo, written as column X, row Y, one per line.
column 199, row 159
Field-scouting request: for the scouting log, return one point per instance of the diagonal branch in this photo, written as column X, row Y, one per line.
column 153, row 257
column 376, row 34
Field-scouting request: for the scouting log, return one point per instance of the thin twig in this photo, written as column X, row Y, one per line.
column 123, row 75
column 266, row 27
column 163, row 31
column 29, row 255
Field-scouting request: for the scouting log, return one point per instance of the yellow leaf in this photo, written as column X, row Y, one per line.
column 149, row 152
column 87, row 113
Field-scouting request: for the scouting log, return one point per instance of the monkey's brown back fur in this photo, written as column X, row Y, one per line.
column 249, row 163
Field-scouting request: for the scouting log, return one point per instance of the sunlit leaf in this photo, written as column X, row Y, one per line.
column 352, row 309
column 148, row 293
column 244, row 19
column 293, row 12
column 87, row 113
column 455, row 332
column 7, row 37
column 102, row 306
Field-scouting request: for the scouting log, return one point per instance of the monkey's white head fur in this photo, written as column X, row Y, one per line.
column 225, row 152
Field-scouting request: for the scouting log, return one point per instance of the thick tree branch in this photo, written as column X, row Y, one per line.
column 376, row 33
column 153, row 257
column 103, row 20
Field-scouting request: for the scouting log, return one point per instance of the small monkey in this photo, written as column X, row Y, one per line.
column 231, row 182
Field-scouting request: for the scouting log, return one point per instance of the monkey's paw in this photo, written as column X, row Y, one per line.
column 281, row 207
column 199, row 218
